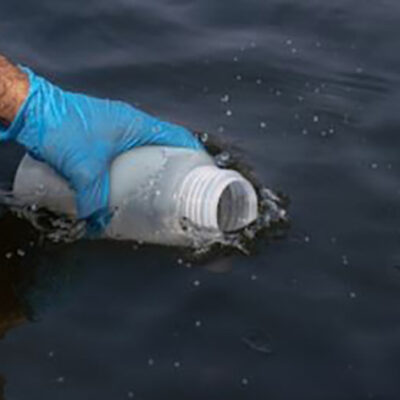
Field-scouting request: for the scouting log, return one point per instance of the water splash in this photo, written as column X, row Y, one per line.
column 272, row 218
column 52, row 227
column 272, row 222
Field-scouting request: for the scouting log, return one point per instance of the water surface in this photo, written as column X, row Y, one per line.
column 309, row 93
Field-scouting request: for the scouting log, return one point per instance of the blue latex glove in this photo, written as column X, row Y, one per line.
column 79, row 136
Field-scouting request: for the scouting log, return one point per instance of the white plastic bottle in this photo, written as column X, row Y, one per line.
column 153, row 189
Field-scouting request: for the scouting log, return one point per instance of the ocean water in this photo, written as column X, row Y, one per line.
column 307, row 93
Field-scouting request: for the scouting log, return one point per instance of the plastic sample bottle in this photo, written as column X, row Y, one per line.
column 154, row 191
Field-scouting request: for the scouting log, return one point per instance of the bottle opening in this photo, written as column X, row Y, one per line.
column 218, row 199
column 235, row 206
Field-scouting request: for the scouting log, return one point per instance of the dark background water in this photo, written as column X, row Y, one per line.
column 314, row 94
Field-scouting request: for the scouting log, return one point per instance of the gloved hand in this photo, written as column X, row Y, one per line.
column 79, row 136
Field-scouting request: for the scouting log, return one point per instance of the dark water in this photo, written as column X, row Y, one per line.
column 314, row 94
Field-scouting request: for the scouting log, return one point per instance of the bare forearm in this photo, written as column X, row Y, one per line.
column 14, row 88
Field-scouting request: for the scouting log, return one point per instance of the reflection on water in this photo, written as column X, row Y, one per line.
column 14, row 235
column 16, row 240
column 2, row 384
column 27, row 286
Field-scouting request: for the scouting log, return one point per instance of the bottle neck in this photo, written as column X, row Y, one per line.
column 217, row 199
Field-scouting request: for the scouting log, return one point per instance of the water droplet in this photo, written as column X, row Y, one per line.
column 245, row 381
column 60, row 379
column 222, row 159
column 225, row 98
column 258, row 341
column 263, row 124
column 238, row 77
column 198, row 324
column 352, row 295
column 204, row 137
column 307, row 239
column 196, row 283
column 315, row 118
column 228, row 113
column 21, row 253
column 177, row 364
column 150, row 362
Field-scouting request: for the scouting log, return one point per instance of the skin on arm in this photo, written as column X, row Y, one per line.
column 14, row 89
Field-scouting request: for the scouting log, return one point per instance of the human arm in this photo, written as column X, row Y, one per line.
column 14, row 88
